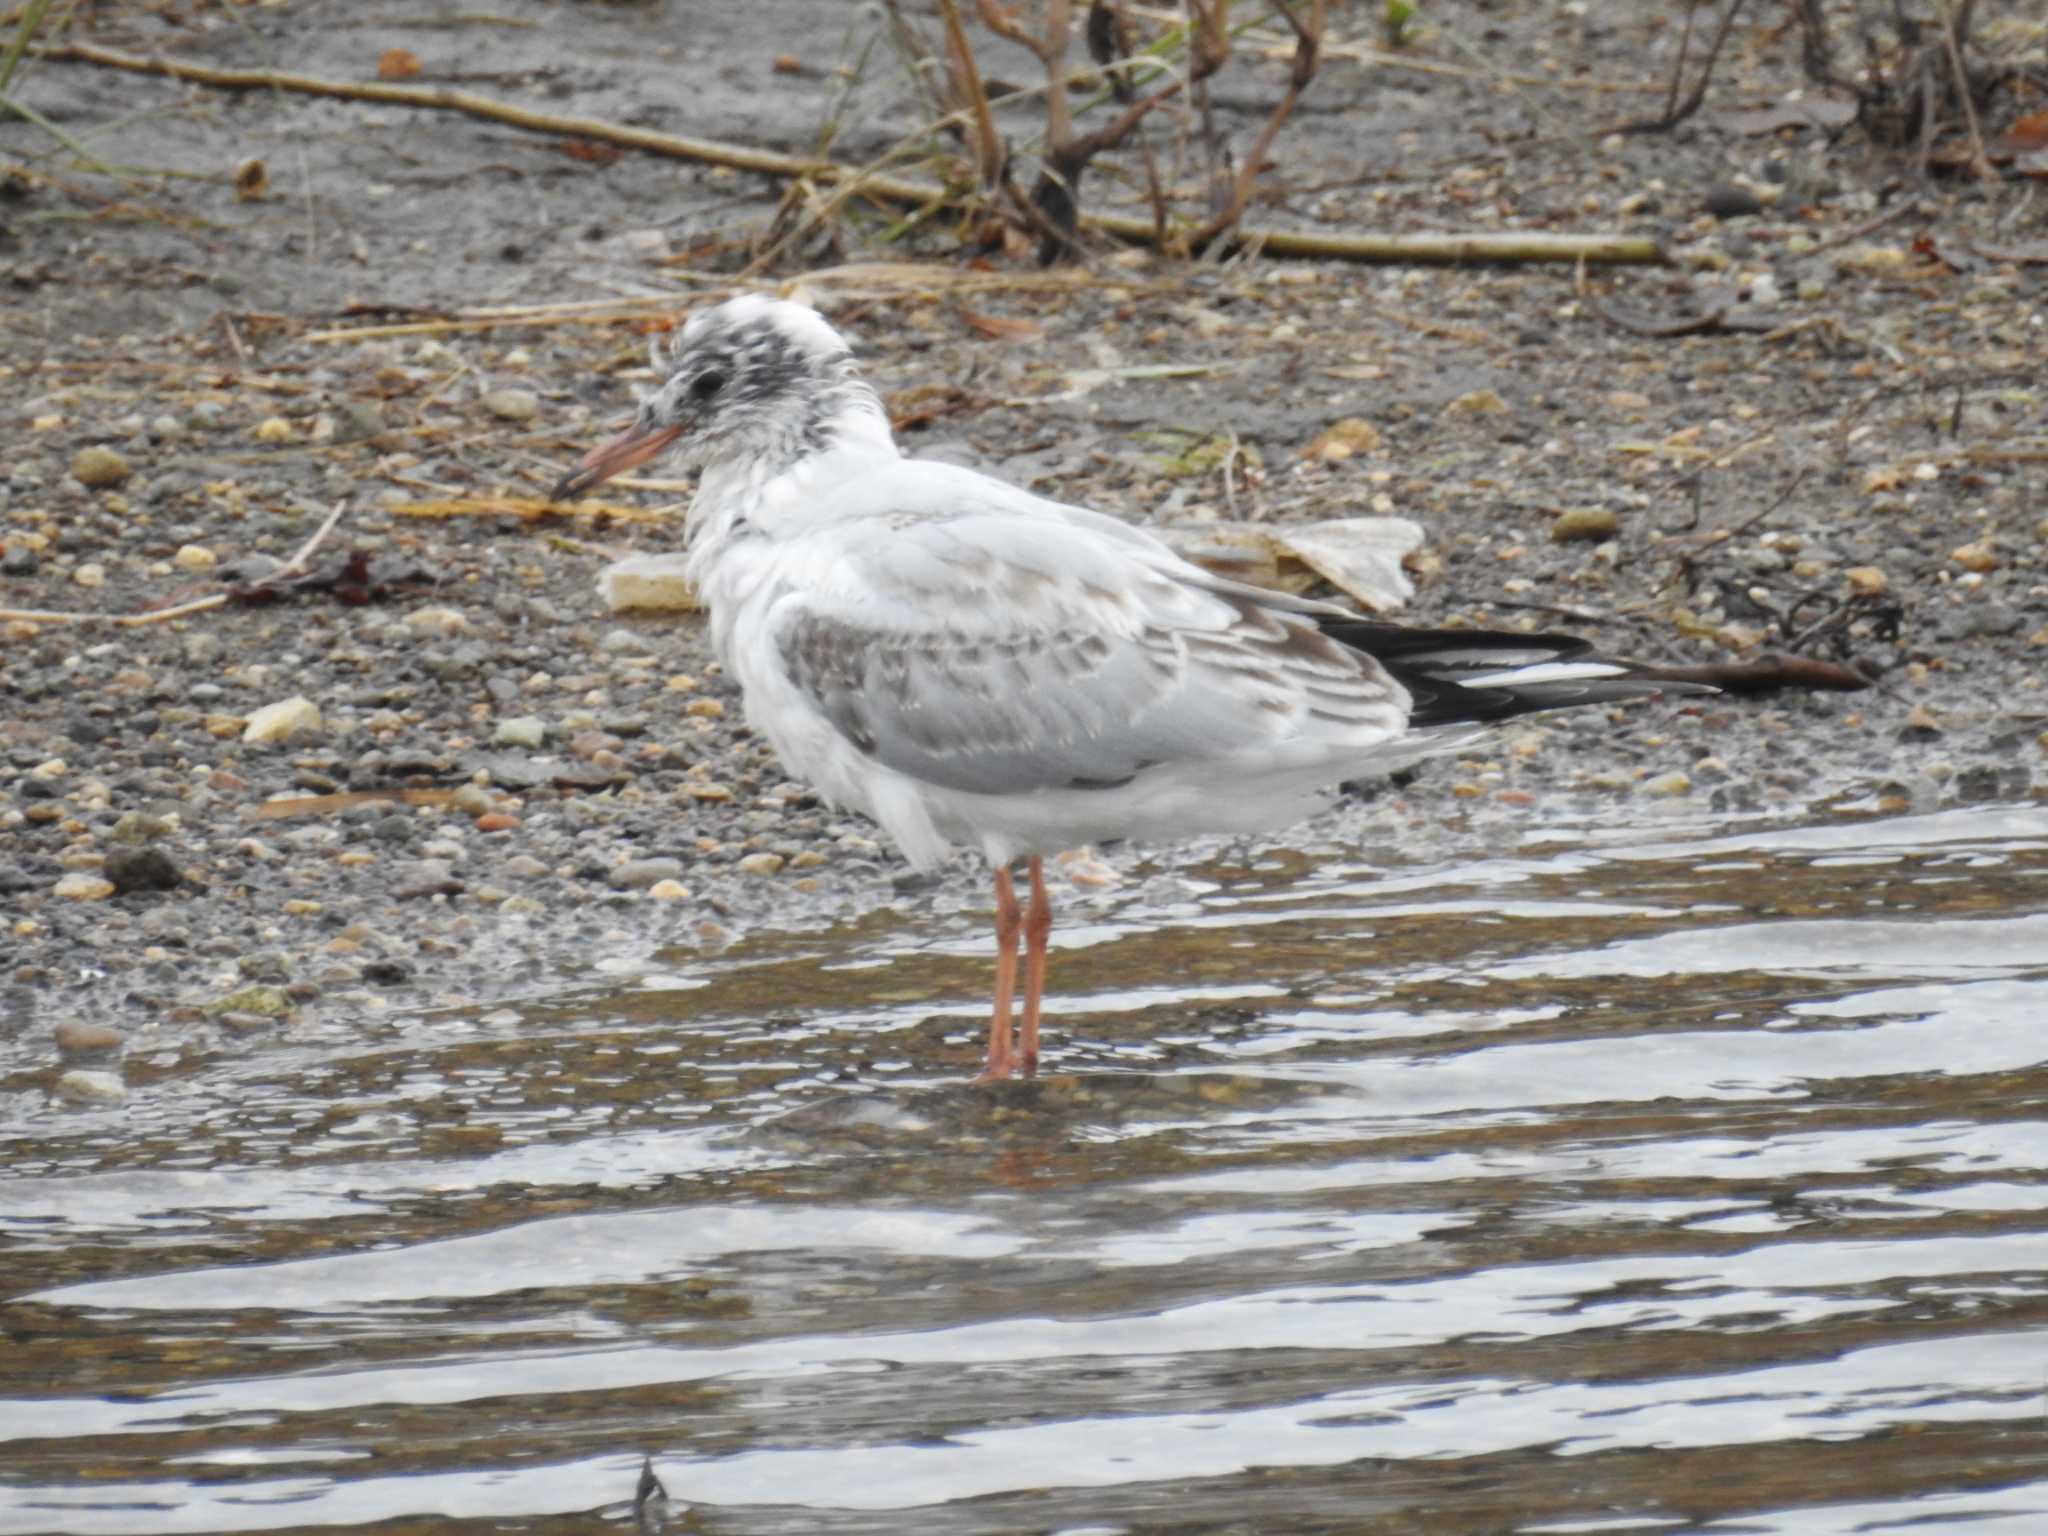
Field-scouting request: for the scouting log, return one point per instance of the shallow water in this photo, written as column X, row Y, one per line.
column 1692, row 1178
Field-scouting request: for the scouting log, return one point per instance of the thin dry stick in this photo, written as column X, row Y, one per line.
column 966, row 80
column 1308, row 42
column 296, row 566
column 1529, row 247
column 298, row 561
column 1951, row 20
column 1678, row 113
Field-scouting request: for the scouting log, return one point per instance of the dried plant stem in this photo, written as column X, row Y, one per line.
column 1955, row 23
column 1675, row 110
column 1308, row 42
column 966, row 81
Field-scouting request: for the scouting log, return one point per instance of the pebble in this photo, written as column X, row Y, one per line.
column 75, row 1037
column 236, row 1022
column 296, row 716
column 649, row 584
column 639, row 874
column 1666, row 785
column 1729, row 201
column 80, row 1086
column 1591, row 524
column 98, row 467
column 81, row 885
column 1866, row 581
column 91, row 574
column 1977, row 556
column 265, row 965
column 19, row 560
column 436, row 621
column 497, row 821
column 525, row 866
column 273, row 429
column 264, row 1000
column 512, row 404
column 142, row 869
column 527, row 731
column 669, row 890
column 1478, row 402
column 471, row 800
column 194, row 557
column 761, row 864
column 425, row 877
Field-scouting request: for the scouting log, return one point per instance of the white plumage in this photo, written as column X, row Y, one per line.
column 971, row 665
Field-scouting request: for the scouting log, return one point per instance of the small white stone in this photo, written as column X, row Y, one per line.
column 1667, row 785
column 527, row 731
column 79, row 1086
column 194, row 557
column 512, row 404
column 648, row 583
column 82, row 885
column 436, row 621
column 90, row 575
column 283, row 720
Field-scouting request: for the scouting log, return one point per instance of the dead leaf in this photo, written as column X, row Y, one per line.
column 1003, row 327
column 1768, row 673
column 2026, row 136
column 1360, row 556
column 397, row 64
column 252, row 181
column 1342, row 439
column 590, row 152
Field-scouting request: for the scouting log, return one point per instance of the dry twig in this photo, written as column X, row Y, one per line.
column 291, row 570
column 1676, row 111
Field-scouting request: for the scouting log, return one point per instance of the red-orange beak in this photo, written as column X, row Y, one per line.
column 631, row 448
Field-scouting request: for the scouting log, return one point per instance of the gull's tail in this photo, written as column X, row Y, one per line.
column 1476, row 676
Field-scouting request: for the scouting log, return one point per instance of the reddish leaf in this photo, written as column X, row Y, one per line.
column 1002, row 327
column 2025, row 136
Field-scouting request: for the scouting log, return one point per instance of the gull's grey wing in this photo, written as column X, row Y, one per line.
column 1000, row 654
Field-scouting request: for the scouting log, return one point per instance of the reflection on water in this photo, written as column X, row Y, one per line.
column 1617, row 1183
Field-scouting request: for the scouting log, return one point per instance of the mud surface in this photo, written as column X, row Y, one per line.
column 1849, row 465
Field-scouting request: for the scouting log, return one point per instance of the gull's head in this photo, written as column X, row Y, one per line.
column 753, row 378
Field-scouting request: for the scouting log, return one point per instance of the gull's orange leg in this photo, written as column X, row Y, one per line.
column 1009, row 921
column 1037, row 929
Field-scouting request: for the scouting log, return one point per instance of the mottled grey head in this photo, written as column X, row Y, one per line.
column 750, row 378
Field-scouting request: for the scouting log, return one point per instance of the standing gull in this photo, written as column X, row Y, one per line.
column 972, row 665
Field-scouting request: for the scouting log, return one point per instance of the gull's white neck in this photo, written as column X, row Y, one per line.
column 748, row 502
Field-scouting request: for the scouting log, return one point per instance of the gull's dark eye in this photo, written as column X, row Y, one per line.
column 705, row 385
